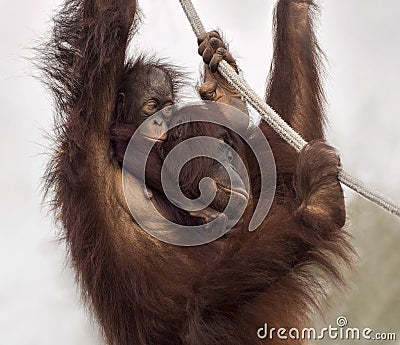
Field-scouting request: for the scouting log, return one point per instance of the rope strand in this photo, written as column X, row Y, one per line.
column 278, row 124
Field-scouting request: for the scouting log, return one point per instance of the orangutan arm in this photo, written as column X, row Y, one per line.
column 81, row 63
column 272, row 272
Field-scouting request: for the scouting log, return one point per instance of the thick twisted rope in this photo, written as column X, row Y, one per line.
column 278, row 124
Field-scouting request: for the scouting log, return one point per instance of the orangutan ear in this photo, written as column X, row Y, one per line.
column 121, row 106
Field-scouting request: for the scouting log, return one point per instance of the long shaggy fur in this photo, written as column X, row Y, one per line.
column 146, row 292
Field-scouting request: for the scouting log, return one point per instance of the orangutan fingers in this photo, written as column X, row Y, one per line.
column 208, row 55
column 202, row 47
column 216, row 43
column 207, row 35
column 222, row 54
column 208, row 90
column 216, row 59
column 201, row 38
column 211, row 40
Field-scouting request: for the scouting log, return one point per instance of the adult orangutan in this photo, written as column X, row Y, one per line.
column 144, row 291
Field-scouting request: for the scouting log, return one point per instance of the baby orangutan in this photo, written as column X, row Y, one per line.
column 144, row 291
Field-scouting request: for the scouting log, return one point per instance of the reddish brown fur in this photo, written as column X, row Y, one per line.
column 143, row 291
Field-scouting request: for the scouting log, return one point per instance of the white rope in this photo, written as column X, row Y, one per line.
column 278, row 124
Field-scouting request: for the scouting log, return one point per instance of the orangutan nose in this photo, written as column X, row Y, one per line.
column 158, row 121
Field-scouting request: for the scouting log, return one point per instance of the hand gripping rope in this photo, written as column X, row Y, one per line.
column 278, row 124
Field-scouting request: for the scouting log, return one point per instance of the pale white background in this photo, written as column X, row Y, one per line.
column 39, row 304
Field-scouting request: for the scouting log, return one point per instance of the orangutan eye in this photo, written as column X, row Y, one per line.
column 150, row 106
